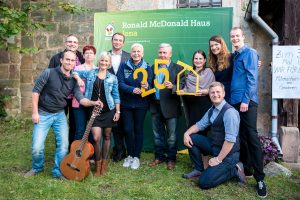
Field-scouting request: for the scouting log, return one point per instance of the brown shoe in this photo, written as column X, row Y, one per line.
column 170, row 165
column 104, row 166
column 98, row 168
column 155, row 162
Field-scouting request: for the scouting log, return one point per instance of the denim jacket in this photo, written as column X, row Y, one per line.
column 110, row 86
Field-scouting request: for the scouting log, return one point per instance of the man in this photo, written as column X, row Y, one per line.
column 244, row 98
column 71, row 44
column 222, row 143
column 49, row 96
column 118, row 56
column 165, row 109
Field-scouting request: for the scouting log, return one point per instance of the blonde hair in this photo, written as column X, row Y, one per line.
column 103, row 54
column 215, row 84
column 221, row 61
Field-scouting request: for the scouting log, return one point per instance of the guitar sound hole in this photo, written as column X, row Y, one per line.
column 78, row 153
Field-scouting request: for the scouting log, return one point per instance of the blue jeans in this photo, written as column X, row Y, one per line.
column 58, row 122
column 133, row 124
column 80, row 117
column 165, row 137
column 216, row 175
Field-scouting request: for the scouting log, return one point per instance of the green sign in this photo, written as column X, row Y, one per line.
column 187, row 30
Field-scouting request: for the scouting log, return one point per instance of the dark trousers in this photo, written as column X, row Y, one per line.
column 250, row 147
column 165, row 136
column 216, row 175
column 119, row 135
column 133, row 124
column 70, row 114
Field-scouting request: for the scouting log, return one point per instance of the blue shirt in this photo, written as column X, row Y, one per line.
column 160, row 79
column 231, row 121
column 244, row 84
column 110, row 86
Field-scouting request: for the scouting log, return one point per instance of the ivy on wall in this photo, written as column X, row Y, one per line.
column 14, row 21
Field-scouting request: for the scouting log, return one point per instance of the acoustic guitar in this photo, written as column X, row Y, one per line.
column 76, row 166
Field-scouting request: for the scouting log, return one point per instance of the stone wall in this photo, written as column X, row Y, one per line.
column 52, row 41
column 18, row 72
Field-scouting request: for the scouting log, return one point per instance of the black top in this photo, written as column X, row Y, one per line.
column 225, row 77
column 98, row 88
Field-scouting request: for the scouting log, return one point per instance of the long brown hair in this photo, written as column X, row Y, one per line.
column 221, row 61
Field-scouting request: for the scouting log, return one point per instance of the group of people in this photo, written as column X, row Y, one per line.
column 221, row 114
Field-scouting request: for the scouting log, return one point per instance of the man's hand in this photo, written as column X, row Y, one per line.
column 168, row 84
column 244, row 107
column 97, row 103
column 35, row 118
column 187, row 140
column 80, row 82
column 213, row 161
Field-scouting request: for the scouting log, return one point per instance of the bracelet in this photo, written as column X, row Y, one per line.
column 119, row 112
column 218, row 160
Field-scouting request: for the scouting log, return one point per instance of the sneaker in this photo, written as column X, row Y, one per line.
column 30, row 173
column 240, row 173
column 127, row 161
column 261, row 189
column 135, row 163
column 192, row 174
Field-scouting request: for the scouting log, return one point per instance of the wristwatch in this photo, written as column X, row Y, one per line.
column 119, row 112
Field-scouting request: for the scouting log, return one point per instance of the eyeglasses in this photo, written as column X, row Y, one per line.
column 75, row 42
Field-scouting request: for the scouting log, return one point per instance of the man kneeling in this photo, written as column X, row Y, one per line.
column 222, row 143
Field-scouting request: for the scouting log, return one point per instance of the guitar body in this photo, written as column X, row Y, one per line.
column 76, row 166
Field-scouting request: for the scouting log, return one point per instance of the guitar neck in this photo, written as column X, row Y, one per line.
column 89, row 126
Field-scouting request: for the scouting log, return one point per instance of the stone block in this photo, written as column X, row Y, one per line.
column 80, row 28
column 26, row 62
column 99, row 5
column 27, row 42
column 14, row 72
column 275, row 169
column 10, row 92
column 26, row 106
column 12, row 103
column 4, row 56
column 55, row 41
column 289, row 139
column 4, row 71
column 64, row 29
column 6, row 84
column 41, row 42
column 61, row 16
column 15, row 57
column 26, row 76
column 79, row 17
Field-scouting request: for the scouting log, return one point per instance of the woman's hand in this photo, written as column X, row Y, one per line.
column 116, row 117
column 137, row 91
column 145, row 85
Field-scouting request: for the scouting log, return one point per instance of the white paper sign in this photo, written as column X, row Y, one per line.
column 286, row 72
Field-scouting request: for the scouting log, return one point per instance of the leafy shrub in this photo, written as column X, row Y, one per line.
column 2, row 104
column 269, row 149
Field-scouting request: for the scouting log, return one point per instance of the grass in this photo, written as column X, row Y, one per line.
column 118, row 183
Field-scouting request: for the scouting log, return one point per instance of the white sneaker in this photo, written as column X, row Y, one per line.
column 127, row 161
column 135, row 163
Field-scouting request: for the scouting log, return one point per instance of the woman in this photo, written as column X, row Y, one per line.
column 196, row 106
column 134, row 107
column 80, row 112
column 102, row 85
column 219, row 59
